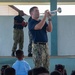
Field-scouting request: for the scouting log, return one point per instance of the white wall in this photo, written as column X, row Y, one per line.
column 66, row 35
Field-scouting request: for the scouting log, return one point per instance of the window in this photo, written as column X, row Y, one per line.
column 66, row 9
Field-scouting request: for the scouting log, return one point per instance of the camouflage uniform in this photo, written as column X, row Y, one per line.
column 41, row 55
column 18, row 39
column 30, row 43
column 18, row 36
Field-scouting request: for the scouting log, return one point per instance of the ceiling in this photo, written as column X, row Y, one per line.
column 35, row 0
column 13, row 2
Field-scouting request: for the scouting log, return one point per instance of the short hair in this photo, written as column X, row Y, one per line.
column 30, row 72
column 31, row 9
column 19, row 53
column 9, row 71
column 42, row 70
column 59, row 67
column 3, row 69
column 37, row 71
column 20, row 11
column 73, row 72
column 55, row 73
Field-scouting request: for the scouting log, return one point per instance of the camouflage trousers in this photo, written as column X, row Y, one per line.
column 30, row 43
column 41, row 55
column 18, row 38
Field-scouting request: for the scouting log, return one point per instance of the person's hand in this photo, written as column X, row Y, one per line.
column 47, row 13
column 24, row 24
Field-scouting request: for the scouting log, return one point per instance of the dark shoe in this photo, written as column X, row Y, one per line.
column 13, row 54
column 29, row 55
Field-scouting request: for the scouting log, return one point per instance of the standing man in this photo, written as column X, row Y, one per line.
column 39, row 29
column 18, row 32
column 30, row 42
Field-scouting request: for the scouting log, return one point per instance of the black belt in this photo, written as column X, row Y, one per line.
column 42, row 43
column 18, row 28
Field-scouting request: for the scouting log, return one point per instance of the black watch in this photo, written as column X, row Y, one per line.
column 49, row 19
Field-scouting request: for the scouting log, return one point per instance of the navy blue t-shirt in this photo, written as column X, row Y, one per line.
column 18, row 19
column 38, row 35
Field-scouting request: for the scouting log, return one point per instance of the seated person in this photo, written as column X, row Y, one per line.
column 3, row 69
column 61, row 69
column 73, row 72
column 9, row 71
column 55, row 73
column 38, row 71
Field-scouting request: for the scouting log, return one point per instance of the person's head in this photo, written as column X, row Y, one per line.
column 43, row 71
column 34, row 12
column 38, row 71
column 55, row 73
column 61, row 69
column 9, row 71
column 30, row 72
column 3, row 69
column 19, row 54
column 21, row 13
column 73, row 72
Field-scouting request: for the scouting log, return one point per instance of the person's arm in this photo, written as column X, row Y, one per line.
column 49, row 27
column 41, row 23
column 24, row 24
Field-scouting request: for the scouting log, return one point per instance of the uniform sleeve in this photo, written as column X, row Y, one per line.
column 31, row 25
column 26, row 64
column 46, row 24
